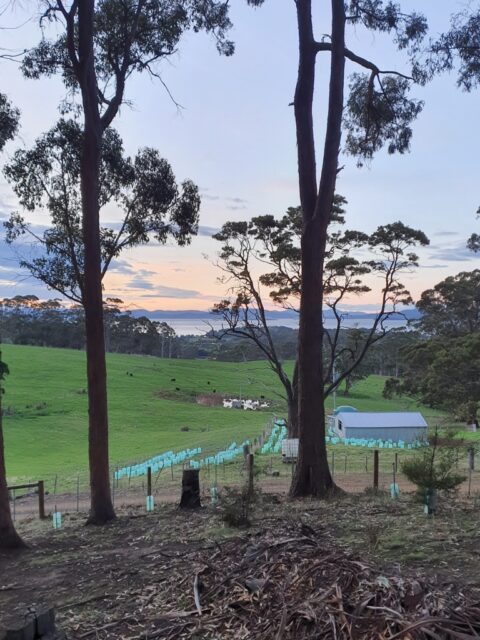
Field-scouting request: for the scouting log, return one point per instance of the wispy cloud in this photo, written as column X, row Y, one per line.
column 446, row 234
column 162, row 291
column 142, row 280
column 452, row 253
column 237, row 200
column 434, row 266
column 207, row 231
column 122, row 266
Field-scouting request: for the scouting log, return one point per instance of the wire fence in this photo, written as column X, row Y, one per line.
column 351, row 467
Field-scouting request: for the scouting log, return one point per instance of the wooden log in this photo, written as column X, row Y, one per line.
column 190, row 489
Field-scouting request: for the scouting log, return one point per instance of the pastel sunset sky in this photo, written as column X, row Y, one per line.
column 235, row 138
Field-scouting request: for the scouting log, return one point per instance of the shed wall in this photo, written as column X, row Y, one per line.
column 407, row 434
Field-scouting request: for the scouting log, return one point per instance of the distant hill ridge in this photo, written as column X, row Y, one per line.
column 161, row 314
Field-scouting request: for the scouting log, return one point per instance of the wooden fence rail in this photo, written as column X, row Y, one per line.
column 40, row 486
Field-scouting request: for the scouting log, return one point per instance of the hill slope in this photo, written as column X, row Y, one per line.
column 150, row 400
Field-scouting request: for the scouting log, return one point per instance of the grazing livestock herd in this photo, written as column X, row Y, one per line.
column 247, row 405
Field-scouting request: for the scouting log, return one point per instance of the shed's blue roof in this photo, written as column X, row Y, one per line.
column 360, row 419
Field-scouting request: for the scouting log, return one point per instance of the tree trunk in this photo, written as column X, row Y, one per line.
column 312, row 475
column 292, row 397
column 292, row 421
column 9, row 538
column 101, row 510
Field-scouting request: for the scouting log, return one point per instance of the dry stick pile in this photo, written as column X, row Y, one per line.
column 293, row 585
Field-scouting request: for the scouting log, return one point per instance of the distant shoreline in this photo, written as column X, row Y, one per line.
column 200, row 325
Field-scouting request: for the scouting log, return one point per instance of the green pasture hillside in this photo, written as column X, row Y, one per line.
column 152, row 402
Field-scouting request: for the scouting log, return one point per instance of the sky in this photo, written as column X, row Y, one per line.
column 235, row 138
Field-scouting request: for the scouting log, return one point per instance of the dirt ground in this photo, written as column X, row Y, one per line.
column 135, row 577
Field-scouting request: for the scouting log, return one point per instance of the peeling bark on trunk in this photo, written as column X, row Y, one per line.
column 101, row 510
column 312, row 476
column 9, row 538
column 293, row 431
column 292, row 420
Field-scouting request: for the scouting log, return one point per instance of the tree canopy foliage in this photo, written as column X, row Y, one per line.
column 261, row 264
column 452, row 307
column 443, row 373
column 9, row 117
column 47, row 178
column 129, row 37
column 457, row 50
column 443, row 369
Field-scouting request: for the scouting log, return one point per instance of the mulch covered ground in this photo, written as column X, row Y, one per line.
column 296, row 574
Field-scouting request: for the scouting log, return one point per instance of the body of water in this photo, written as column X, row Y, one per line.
column 185, row 326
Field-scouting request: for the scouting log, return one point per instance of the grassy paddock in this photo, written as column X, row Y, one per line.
column 150, row 401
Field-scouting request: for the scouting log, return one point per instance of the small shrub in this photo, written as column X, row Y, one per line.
column 237, row 506
column 373, row 534
column 434, row 468
column 184, row 428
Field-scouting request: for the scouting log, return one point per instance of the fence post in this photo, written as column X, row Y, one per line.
column 149, row 481
column 471, row 459
column 396, row 462
column 375, row 469
column 41, row 500
column 250, row 463
column 113, row 488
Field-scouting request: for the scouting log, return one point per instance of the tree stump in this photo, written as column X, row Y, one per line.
column 190, row 489
column 35, row 623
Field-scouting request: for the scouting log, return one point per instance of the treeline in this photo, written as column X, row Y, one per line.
column 48, row 323
column 30, row 321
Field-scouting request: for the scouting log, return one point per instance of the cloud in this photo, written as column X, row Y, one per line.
column 172, row 292
column 446, row 234
column 122, row 266
column 452, row 253
column 236, row 207
column 138, row 282
column 207, row 231
column 434, row 266
column 237, row 200
column 206, row 196
column 141, row 280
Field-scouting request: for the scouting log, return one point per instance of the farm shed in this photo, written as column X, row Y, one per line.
column 406, row 426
